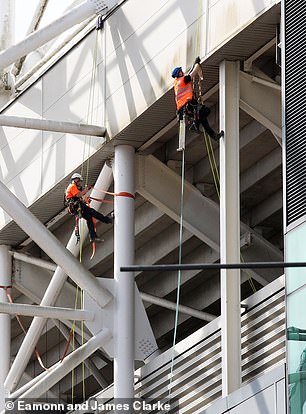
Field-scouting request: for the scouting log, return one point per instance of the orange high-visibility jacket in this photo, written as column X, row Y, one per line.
column 183, row 92
column 71, row 191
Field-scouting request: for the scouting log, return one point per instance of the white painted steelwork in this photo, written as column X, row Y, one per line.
column 182, row 309
column 198, row 357
column 124, row 337
column 33, row 260
column 45, row 312
column 104, row 180
column 5, row 320
column 54, row 126
column 42, row 36
column 69, row 363
column 230, row 227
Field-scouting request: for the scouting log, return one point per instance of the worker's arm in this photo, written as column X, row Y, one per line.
column 83, row 192
column 195, row 70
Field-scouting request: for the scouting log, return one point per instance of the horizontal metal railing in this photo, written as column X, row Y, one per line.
column 196, row 379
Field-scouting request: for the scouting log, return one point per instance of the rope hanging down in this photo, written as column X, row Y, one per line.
column 37, row 354
column 216, row 178
column 179, row 272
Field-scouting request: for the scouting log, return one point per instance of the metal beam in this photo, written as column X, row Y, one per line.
column 49, row 244
column 201, row 215
column 161, row 186
column 5, row 320
column 248, row 63
column 181, row 308
column 262, row 103
column 230, row 227
column 34, row 69
column 145, row 216
column 33, row 260
column 38, row 14
column 261, row 169
column 124, row 252
column 70, row 362
column 52, row 30
column 248, row 134
column 268, row 207
column 46, row 312
column 54, row 126
column 27, row 348
column 33, row 283
column 91, row 366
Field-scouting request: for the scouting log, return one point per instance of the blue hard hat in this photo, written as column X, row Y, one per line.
column 176, row 72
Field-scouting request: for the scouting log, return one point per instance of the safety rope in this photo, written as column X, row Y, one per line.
column 216, row 178
column 89, row 116
column 37, row 354
column 85, row 166
column 120, row 194
column 197, row 86
column 178, row 274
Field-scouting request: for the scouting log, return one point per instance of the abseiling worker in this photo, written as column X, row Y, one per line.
column 77, row 206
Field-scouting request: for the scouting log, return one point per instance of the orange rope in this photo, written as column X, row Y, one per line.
column 24, row 330
column 100, row 200
column 120, row 194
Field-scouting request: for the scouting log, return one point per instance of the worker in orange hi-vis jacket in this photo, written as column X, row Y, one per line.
column 77, row 206
column 185, row 101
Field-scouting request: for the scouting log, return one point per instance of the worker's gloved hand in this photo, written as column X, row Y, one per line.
column 198, row 60
column 89, row 187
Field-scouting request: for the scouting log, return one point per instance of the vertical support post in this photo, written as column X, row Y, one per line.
column 124, row 255
column 230, row 227
column 5, row 320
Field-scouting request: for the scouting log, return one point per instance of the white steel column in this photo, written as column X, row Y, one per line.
column 123, row 255
column 57, row 282
column 5, row 320
column 230, row 226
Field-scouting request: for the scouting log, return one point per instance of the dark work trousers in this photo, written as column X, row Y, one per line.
column 88, row 213
column 203, row 114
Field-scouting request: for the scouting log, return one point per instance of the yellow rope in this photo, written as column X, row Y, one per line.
column 216, row 177
column 73, row 344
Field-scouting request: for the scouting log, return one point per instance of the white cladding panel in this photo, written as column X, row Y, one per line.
column 144, row 41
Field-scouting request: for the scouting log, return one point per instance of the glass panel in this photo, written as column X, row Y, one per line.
column 295, row 252
column 296, row 334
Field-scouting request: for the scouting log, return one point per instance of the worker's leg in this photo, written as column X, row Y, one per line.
column 91, row 228
column 203, row 114
column 94, row 213
column 208, row 128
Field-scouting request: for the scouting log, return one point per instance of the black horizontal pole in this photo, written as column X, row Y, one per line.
column 203, row 266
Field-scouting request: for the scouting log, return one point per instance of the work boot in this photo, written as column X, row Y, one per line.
column 111, row 218
column 96, row 240
column 219, row 135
